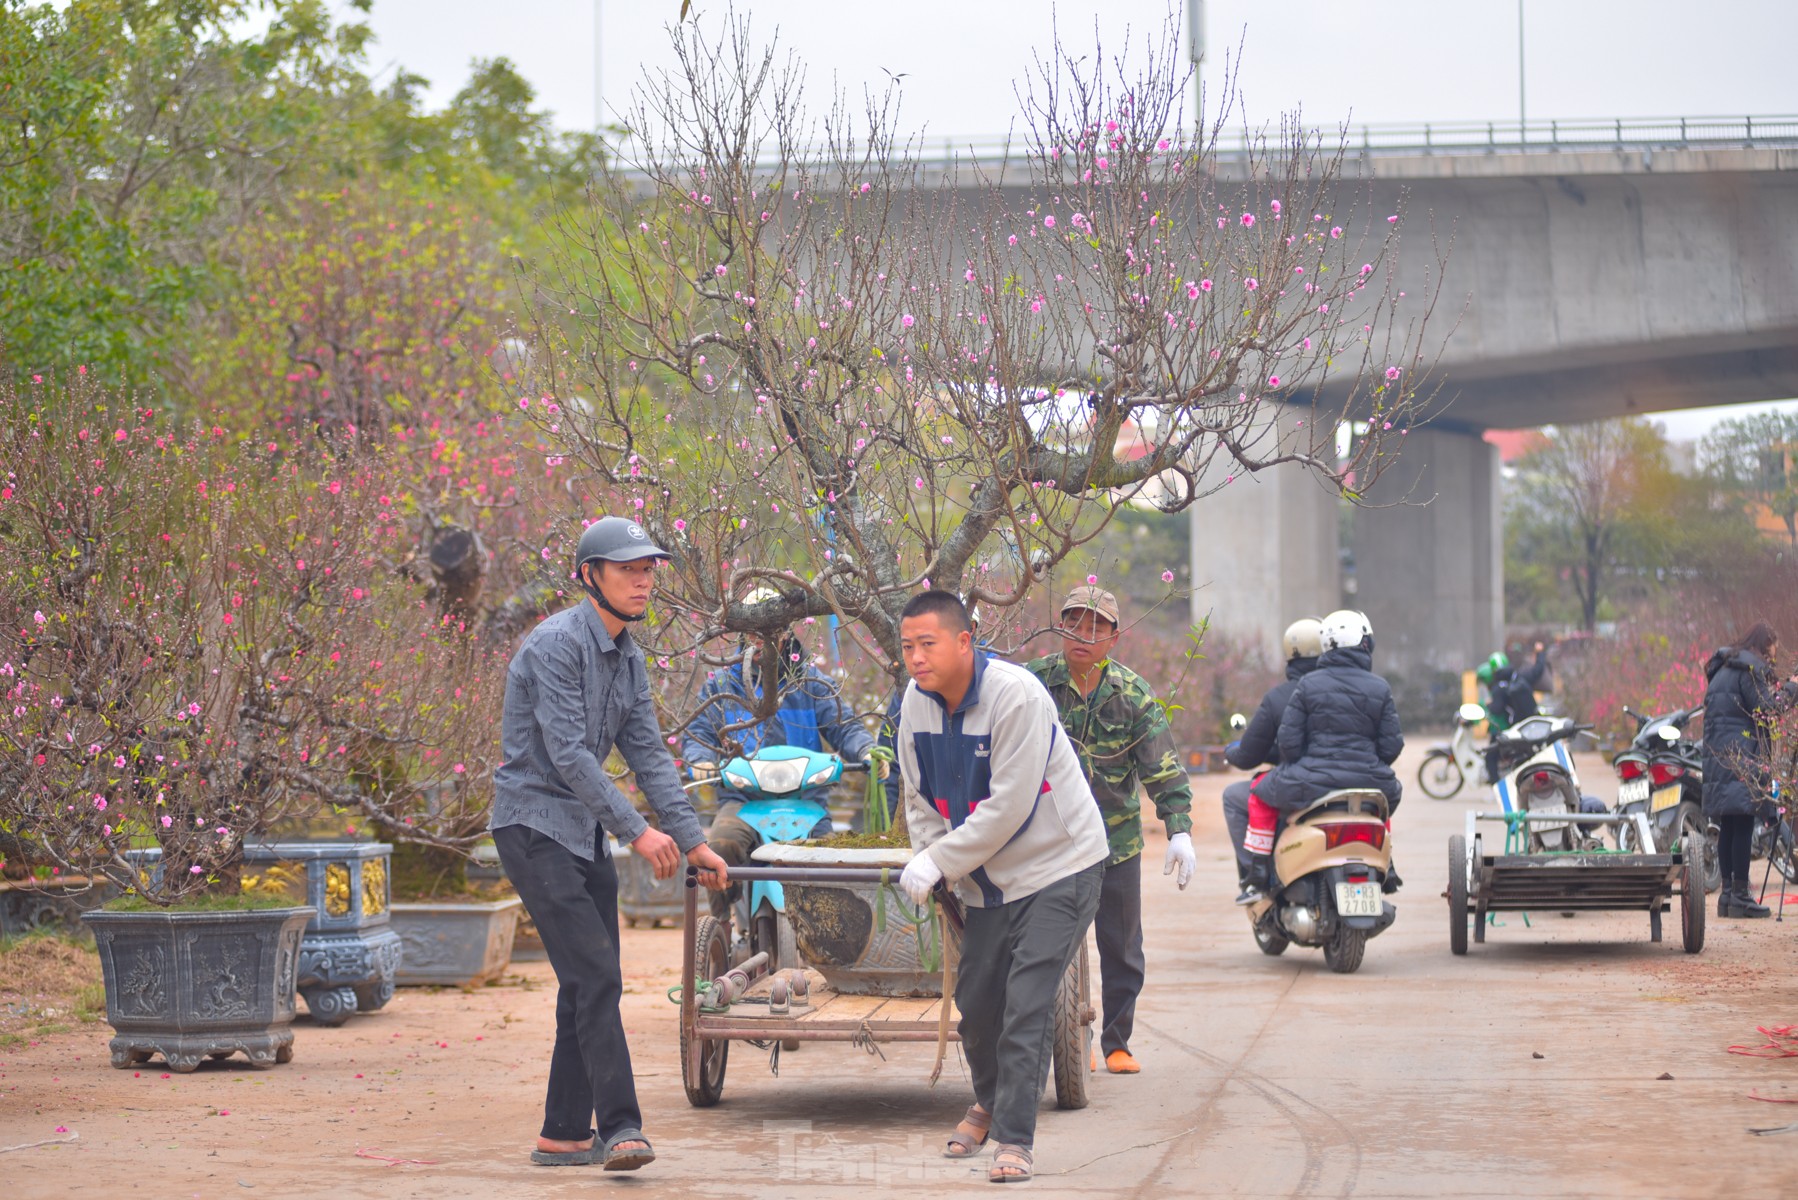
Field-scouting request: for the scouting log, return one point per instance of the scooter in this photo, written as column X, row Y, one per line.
column 1660, row 774
column 774, row 782
column 1539, row 778
column 1449, row 765
column 1325, row 881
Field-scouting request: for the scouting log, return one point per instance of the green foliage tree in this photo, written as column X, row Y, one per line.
column 1755, row 460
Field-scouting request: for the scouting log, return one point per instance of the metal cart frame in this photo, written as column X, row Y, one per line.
column 866, row 1021
column 1570, row 881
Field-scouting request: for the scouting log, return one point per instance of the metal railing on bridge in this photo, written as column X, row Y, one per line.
column 1464, row 137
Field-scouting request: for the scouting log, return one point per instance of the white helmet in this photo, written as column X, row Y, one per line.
column 1303, row 638
column 1345, row 627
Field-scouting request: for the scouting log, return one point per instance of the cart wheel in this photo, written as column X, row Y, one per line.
column 1691, row 902
column 1073, row 1033
column 1273, row 943
column 1700, row 847
column 1457, row 894
column 1440, row 775
column 711, row 958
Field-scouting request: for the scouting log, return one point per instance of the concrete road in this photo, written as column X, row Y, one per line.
column 1532, row 1067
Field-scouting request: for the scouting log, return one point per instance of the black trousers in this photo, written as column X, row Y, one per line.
column 1735, row 845
column 1012, row 960
column 1118, row 927
column 574, row 904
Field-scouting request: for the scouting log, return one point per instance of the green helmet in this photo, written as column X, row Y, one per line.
column 1498, row 662
column 1483, row 672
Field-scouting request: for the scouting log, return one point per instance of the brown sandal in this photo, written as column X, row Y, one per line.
column 1011, row 1164
column 970, row 1135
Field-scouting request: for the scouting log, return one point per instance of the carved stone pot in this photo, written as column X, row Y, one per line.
column 28, row 906
column 350, row 957
column 196, row 985
column 460, row 943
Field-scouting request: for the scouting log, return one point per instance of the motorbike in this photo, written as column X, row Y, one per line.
column 1326, row 878
column 1449, row 765
column 778, row 785
column 1539, row 777
column 1660, row 774
column 1325, row 887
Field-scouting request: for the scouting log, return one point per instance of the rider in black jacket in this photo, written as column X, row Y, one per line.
column 1258, row 744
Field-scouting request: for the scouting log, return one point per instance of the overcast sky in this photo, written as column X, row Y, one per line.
column 1382, row 61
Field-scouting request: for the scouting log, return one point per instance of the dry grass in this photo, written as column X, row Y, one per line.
column 48, row 983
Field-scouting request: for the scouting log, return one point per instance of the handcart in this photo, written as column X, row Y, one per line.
column 752, row 1002
column 1586, row 880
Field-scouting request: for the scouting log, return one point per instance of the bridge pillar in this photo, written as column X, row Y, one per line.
column 1429, row 566
column 1266, row 549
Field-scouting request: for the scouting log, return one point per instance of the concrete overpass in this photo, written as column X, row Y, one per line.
column 1599, row 281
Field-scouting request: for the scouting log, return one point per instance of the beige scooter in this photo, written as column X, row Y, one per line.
column 1329, row 863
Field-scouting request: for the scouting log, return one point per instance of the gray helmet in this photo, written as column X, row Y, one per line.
column 615, row 539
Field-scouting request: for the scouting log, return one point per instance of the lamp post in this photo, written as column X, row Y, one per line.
column 1195, row 40
column 599, row 105
column 1522, row 111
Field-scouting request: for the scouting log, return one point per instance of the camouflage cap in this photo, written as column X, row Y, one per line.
column 1093, row 599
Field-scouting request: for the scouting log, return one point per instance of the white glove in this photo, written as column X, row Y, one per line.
column 1180, row 854
column 921, row 874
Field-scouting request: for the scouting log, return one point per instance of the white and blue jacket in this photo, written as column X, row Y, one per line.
column 993, row 791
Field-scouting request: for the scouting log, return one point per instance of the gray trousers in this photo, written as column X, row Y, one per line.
column 1012, row 960
column 1121, row 966
column 1236, row 820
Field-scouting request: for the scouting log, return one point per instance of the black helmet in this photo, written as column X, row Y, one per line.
column 613, row 539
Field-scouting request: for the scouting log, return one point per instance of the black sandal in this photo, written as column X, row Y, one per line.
column 567, row 1158
column 618, row 1159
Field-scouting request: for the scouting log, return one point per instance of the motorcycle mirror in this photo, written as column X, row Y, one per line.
column 1473, row 714
column 1667, row 733
column 1238, row 721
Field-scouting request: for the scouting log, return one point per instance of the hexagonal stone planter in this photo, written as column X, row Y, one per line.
column 455, row 942
column 197, row 985
column 351, row 954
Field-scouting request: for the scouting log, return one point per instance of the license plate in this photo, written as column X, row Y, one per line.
column 1667, row 797
column 1632, row 791
column 1358, row 899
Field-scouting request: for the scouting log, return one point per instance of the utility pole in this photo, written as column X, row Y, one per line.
column 1195, row 40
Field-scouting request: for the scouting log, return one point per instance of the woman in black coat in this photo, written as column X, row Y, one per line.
column 1742, row 696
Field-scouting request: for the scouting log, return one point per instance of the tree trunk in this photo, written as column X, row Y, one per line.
column 459, row 565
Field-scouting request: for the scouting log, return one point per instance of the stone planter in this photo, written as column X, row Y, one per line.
column 27, row 906
column 190, row 986
column 455, row 942
column 865, row 939
column 642, row 898
column 350, row 955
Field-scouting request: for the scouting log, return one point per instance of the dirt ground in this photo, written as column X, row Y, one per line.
column 1561, row 1058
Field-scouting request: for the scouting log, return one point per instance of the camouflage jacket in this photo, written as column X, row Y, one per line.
column 1122, row 737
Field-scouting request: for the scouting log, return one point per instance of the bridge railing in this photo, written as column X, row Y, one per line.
column 1467, row 137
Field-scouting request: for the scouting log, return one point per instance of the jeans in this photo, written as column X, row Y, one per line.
column 1236, row 820
column 1121, row 965
column 574, row 904
column 1012, row 960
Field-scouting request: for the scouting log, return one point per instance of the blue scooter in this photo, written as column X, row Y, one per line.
column 773, row 782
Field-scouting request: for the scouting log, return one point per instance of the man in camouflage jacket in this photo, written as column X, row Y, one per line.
column 1121, row 733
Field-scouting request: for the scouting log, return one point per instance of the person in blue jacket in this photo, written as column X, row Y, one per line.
column 811, row 714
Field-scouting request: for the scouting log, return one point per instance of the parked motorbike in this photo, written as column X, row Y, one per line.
column 778, row 785
column 1660, row 774
column 1449, row 765
column 1539, row 777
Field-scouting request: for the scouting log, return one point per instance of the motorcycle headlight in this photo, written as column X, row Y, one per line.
column 781, row 777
